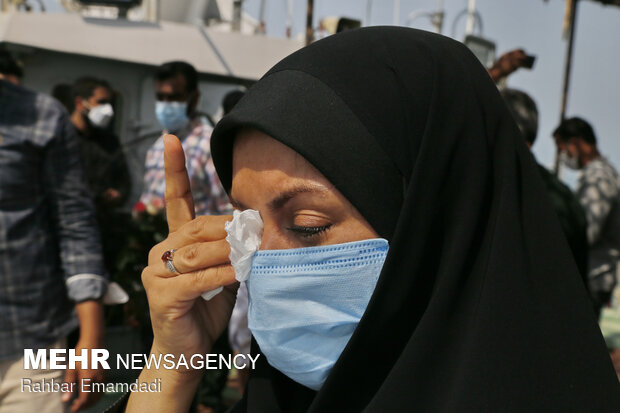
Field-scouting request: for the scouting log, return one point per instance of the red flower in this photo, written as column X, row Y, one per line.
column 139, row 207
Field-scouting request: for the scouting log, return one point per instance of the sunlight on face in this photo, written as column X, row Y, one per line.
column 298, row 205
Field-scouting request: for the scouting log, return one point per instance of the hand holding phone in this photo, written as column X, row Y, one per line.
column 528, row 61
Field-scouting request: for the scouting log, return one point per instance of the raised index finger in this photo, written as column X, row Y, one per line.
column 179, row 201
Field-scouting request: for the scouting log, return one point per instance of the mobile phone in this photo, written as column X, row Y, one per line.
column 528, row 63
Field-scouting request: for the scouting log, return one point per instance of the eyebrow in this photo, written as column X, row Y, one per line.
column 279, row 201
column 236, row 204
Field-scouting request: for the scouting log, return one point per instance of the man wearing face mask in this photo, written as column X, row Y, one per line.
column 104, row 162
column 598, row 192
column 105, row 166
column 176, row 87
column 176, row 92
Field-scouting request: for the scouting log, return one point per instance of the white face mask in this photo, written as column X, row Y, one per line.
column 569, row 161
column 101, row 115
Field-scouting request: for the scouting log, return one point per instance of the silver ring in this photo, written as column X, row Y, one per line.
column 167, row 258
column 170, row 266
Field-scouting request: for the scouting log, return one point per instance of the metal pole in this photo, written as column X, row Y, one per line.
column 309, row 18
column 261, row 17
column 368, row 9
column 471, row 17
column 569, row 57
column 289, row 18
column 437, row 18
column 196, row 12
column 567, row 70
column 236, row 18
column 396, row 12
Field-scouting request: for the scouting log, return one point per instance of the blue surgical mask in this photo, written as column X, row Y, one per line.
column 305, row 304
column 171, row 115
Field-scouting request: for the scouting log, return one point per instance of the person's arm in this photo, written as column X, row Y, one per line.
column 90, row 315
column 177, row 390
column 79, row 244
column 506, row 64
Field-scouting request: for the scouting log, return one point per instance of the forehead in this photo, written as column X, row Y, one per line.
column 559, row 141
column 101, row 92
column 267, row 163
column 257, row 151
column 175, row 84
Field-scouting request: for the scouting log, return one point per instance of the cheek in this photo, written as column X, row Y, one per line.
column 352, row 230
column 573, row 150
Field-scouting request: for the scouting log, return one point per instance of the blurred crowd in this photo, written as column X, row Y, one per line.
column 63, row 210
column 65, row 185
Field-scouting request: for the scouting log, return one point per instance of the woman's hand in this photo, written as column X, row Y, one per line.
column 184, row 323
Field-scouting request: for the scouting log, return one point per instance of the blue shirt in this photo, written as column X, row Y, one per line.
column 50, row 252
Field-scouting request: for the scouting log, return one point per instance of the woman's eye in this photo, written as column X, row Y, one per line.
column 308, row 232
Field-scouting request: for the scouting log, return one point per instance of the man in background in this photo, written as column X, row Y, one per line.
column 571, row 215
column 104, row 162
column 106, row 169
column 598, row 191
column 177, row 95
column 50, row 257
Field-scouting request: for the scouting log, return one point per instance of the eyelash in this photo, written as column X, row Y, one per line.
column 308, row 232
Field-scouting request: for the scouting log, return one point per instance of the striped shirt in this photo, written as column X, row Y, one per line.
column 50, row 252
column 210, row 198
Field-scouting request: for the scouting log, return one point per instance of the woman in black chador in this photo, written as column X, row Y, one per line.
column 376, row 137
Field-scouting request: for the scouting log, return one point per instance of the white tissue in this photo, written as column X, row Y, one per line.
column 115, row 295
column 244, row 236
column 210, row 294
